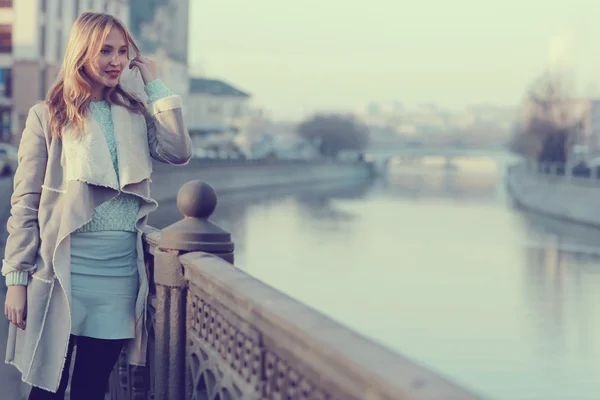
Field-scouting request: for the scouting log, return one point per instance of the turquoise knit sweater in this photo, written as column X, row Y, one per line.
column 121, row 212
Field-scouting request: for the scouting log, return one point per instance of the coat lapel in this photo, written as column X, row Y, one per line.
column 88, row 157
column 133, row 154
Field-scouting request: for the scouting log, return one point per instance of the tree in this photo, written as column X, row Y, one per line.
column 335, row 133
column 552, row 121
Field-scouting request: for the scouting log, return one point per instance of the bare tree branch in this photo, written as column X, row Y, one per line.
column 552, row 120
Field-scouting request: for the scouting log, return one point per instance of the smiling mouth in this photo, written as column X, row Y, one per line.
column 113, row 74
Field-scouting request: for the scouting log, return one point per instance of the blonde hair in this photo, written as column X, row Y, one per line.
column 70, row 96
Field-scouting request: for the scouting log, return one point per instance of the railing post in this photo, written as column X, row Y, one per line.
column 196, row 200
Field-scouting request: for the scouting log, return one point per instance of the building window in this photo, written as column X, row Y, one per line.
column 4, row 82
column 8, row 82
column 43, row 41
column 237, row 111
column 214, row 109
column 5, row 38
column 59, row 44
column 6, row 3
column 22, row 119
column 76, row 8
column 5, row 123
column 43, row 83
column 43, row 5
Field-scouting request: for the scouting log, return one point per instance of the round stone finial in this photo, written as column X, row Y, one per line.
column 196, row 199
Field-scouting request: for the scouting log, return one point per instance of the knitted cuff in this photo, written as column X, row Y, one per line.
column 17, row 278
column 157, row 90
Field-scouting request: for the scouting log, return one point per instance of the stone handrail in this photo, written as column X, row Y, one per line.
column 560, row 197
column 579, row 174
column 216, row 332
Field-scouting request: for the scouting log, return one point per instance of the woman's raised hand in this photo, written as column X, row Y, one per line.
column 146, row 66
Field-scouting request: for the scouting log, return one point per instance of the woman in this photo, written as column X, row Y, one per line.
column 74, row 260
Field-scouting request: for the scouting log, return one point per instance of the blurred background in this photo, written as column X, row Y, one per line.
column 360, row 152
column 251, row 73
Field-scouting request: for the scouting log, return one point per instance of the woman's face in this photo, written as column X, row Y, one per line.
column 106, row 68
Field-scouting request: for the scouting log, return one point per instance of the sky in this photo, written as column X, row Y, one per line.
column 300, row 57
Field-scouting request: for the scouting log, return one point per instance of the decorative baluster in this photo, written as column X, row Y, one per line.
column 196, row 200
column 169, row 327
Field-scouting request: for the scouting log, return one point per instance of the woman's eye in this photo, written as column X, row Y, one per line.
column 104, row 51
column 123, row 52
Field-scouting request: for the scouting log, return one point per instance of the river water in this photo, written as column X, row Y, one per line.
column 438, row 265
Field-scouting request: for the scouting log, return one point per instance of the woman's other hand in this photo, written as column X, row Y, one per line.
column 146, row 66
column 15, row 305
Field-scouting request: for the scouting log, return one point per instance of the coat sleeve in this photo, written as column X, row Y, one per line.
column 23, row 230
column 168, row 137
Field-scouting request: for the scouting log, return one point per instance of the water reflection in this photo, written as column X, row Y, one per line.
column 321, row 206
column 467, row 179
column 562, row 296
column 438, row 265
column 574, row 238
column 558, row 288
column 443, row 183
column 256, row 215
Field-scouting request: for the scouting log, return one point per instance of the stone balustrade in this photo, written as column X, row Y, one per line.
column 579, row 173
column 553, row 191
column 215, row 332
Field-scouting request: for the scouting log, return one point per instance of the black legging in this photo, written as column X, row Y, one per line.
column 94, row 361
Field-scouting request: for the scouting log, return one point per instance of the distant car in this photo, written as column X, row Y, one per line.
column 579, row 152
column 8, row 158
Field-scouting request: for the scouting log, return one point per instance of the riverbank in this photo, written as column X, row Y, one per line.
column 566, row 198
column 242, row 176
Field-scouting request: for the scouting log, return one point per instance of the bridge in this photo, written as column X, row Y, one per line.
column 403, row 150
column 216, row 332
column 381, row 156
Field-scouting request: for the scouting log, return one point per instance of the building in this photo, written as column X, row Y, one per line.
column 161, row 29
column 6, row 28
column 39, row 36
column 217, row 111
column 215, row 106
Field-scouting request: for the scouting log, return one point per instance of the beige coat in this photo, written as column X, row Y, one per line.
column 57, row 185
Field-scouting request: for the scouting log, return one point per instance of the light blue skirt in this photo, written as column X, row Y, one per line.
column 104, row 284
